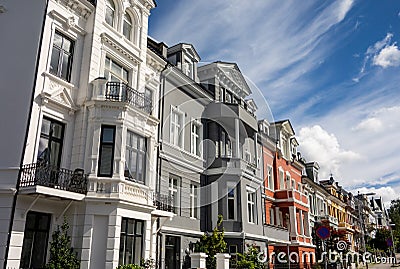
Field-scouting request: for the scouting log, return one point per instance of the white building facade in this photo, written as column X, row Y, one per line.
column 90, row 146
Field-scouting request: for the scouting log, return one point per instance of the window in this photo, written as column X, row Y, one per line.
column 61, row 56
column 50, row 143
column 228, row 97
column 271, row 216
column 226, row 145
column 131, row 241
column 127, row 27
column 247, row 156
column 176, row 128
column 288, row 180
column 110, row 12
column 196, row 136
column 174, row 193
column 270, row 178
column 115, row 72
column 106, row 154
column 188, row 68
column 135, row 157
column 233, row 252
column 231, row 203
column 194, row 201
column 281, row 180
column 251, row 211
column 36, row 236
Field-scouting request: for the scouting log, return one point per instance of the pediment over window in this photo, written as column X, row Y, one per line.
column 59, row 95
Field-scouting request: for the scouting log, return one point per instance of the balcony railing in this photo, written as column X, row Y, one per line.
column 163, row 202
column 120, row 92
column 38, row 174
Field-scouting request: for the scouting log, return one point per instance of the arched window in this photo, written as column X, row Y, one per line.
column 127, row 27
column 110, row 12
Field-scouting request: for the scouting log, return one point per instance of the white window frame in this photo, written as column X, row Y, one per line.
column 177, row 130
column 288, row 179
column 251, row 205
column 270, row 176
column 195, row 148
column 194, row 201
column 114, row 21
column 281, row 179
column 175, row 190
column 130, row 24
column 231, row 186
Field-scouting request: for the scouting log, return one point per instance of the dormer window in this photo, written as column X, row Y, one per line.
column 110, row 12
column 188, row 69
column 127, row 27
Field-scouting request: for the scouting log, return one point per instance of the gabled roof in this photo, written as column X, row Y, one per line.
column 285, row 124
column 229, row 76
column 188, row 48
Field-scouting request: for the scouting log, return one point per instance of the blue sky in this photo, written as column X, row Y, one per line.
column 331, row 67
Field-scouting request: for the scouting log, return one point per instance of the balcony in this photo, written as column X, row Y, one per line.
column 276, row 234
column 227, row 113
column 50, row 180
column 163, row 204
column 291, row 195
column 345, row 226
column 327, row 218
column 120, row 92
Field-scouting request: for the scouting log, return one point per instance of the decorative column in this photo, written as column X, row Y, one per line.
column 301, row 222
column 293, row 221
column 237, row 139
column 223, row 260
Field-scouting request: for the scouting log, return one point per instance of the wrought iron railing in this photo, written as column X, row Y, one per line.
column 53, row 177
column 120, row 92
column 163, row 202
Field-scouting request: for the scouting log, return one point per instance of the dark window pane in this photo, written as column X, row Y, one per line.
column 57, row 40
column 67, row 45
column 127, row 28
column 139, row 227
column 122, row 248
column 231, row 209
column 43, row 152
column 34, row 248
column 108, row 135
column 138, row 250
column 106, row 160
column 110, row 16
column 55, row 58
column 128, row 250
column 57, row 130
column 65, row 66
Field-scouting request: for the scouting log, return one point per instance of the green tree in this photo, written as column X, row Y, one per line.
column 380, row 240
column 394, row 215
column 62, row 256
column 213, row 243
column 249, row 259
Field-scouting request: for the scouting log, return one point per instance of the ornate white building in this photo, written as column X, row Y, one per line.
column 89, row 93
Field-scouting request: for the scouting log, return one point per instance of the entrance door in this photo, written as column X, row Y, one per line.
column 36, row 237
column 172, row 252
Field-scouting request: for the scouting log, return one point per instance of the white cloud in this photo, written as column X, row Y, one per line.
column 388, row 56
column 371, row 124
column 387, row 193
column 286, row 39
column 317, row 144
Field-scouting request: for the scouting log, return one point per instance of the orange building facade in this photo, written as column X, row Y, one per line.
column 286, row 204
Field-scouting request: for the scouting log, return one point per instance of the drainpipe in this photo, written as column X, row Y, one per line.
column 159, row 161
